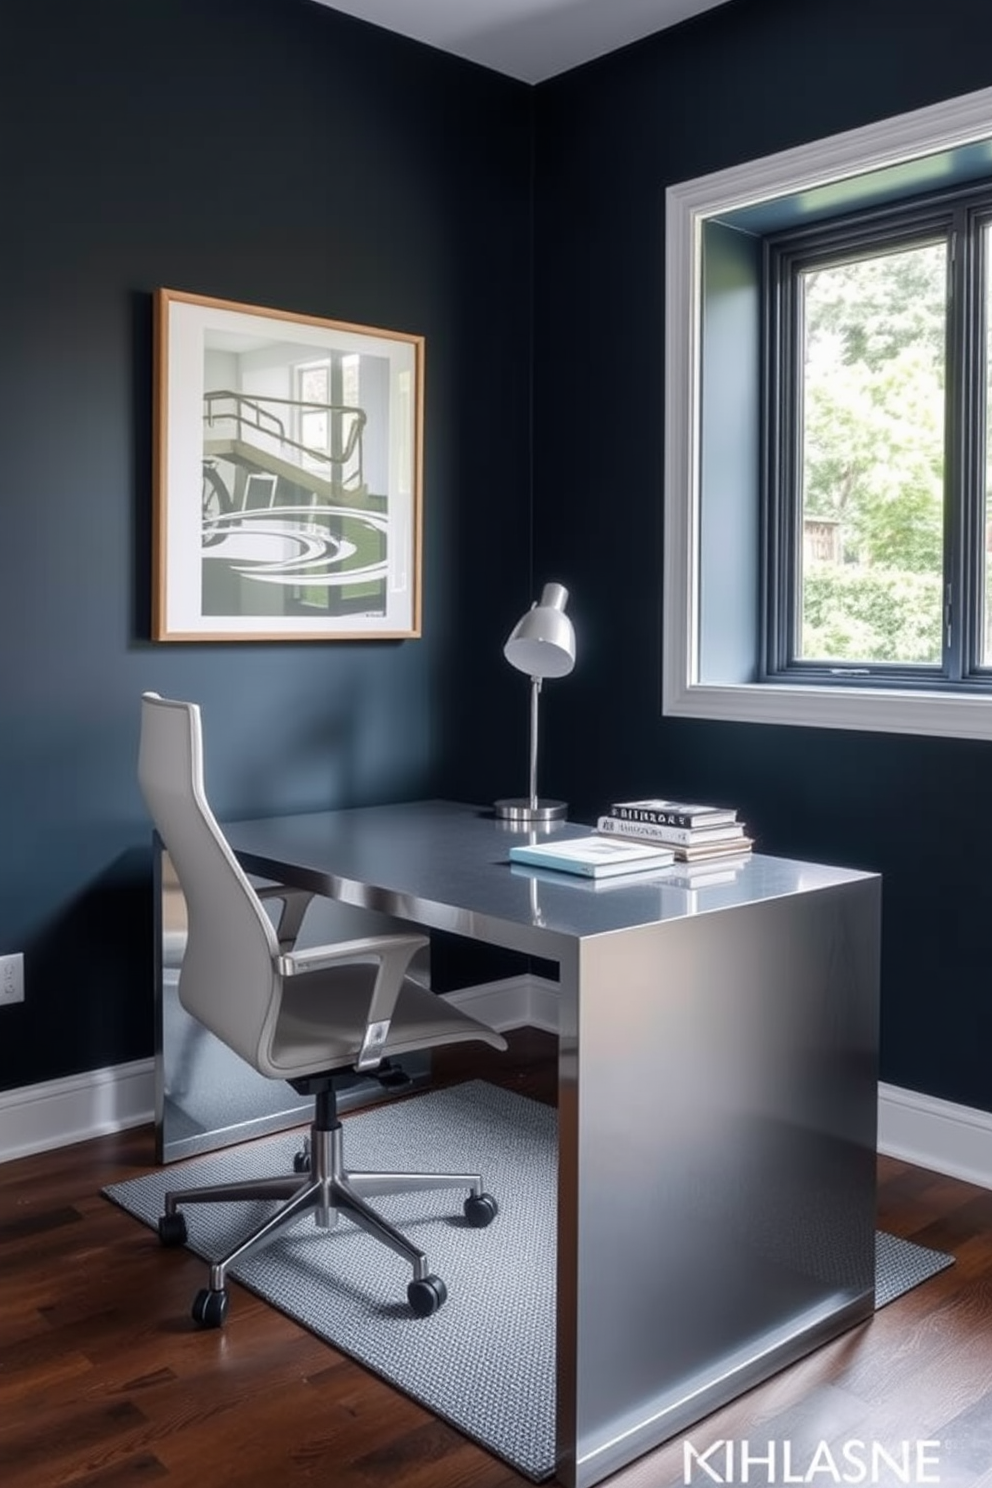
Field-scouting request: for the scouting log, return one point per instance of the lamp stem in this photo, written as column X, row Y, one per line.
column 535, row 693
column 529, row 811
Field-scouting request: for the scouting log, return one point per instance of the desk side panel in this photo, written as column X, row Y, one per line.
column 719, row 1156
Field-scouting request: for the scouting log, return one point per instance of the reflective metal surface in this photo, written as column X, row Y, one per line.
column 523, row 811
column 717, row 1099
column 721, row 1131
column 447, row 865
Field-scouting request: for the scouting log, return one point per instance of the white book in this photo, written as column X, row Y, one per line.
column 593, row 856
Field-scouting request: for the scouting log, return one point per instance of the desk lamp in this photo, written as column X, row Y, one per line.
column 541, row 644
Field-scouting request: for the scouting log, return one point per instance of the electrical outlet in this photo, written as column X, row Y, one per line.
column 12, row 978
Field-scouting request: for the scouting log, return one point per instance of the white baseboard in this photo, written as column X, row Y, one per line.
column 58, row 1113
column 919, row 1129
column 516, row 1002
column 38, row 1118
column 935, row 1134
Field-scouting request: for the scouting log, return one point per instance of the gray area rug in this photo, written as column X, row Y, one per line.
column 485, row 1362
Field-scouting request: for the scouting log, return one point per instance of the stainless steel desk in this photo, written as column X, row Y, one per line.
column 717, row 1100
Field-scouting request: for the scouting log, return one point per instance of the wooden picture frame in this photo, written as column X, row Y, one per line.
column 288, row 455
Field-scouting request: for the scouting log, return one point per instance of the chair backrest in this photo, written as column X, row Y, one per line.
column 229, row 979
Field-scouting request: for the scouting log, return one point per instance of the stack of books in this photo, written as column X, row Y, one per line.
column 695, row 833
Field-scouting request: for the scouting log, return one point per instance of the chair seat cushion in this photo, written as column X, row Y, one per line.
column 322, row 1019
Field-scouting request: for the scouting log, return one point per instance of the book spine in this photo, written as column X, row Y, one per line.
column 639, row 831
column 560, row 865
column 654, row 818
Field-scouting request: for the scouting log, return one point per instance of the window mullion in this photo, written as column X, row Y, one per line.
column 778, row 382
column 957, row 626
column 966, row 446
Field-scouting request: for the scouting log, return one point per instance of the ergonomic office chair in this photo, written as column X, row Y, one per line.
column 318, row 1017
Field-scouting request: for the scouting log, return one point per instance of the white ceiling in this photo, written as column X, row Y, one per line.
column 526, row 39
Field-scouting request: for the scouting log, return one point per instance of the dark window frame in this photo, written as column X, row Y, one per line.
column 961, row 216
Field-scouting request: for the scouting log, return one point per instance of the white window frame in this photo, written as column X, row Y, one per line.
column 942, row 126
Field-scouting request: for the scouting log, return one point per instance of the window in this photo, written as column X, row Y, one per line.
column 330, row 422
column 827, row 397
column 313, row 393
column 875, row 411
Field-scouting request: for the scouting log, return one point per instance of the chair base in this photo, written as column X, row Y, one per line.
column 327, row 1191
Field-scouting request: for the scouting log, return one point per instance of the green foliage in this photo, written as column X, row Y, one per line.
column 883, row 615
column 873, row 454
column 875, row 458
column 879, row 305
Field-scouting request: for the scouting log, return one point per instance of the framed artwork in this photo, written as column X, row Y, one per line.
column 288, row 475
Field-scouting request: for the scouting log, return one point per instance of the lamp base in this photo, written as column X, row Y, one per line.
column 525, row 811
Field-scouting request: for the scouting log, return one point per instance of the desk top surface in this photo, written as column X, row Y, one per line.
column 446, row 865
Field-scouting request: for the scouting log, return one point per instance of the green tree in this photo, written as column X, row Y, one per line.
column 873, row 452
column 874, row 457
column 878, row 305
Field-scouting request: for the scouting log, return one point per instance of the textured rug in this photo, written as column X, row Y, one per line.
column 485, row 1362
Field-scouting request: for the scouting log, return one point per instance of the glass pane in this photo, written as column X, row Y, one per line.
column 314, row 386
column 315, row 382
column 870, row 585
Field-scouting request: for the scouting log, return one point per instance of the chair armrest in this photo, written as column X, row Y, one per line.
column 295, row 903
column 393, row 953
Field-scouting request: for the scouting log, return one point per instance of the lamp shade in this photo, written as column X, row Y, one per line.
column 542, row 643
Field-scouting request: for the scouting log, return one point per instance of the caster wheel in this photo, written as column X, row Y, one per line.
column 301, row 1162
column 480, row 1210
column 426, row 1296
column 172, row 1228
column 210, row 1308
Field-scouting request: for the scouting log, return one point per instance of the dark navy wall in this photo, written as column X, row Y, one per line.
column 747, row 79
column 275, row 153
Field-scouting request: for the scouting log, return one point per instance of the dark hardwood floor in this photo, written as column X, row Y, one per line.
column 105, row 1381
